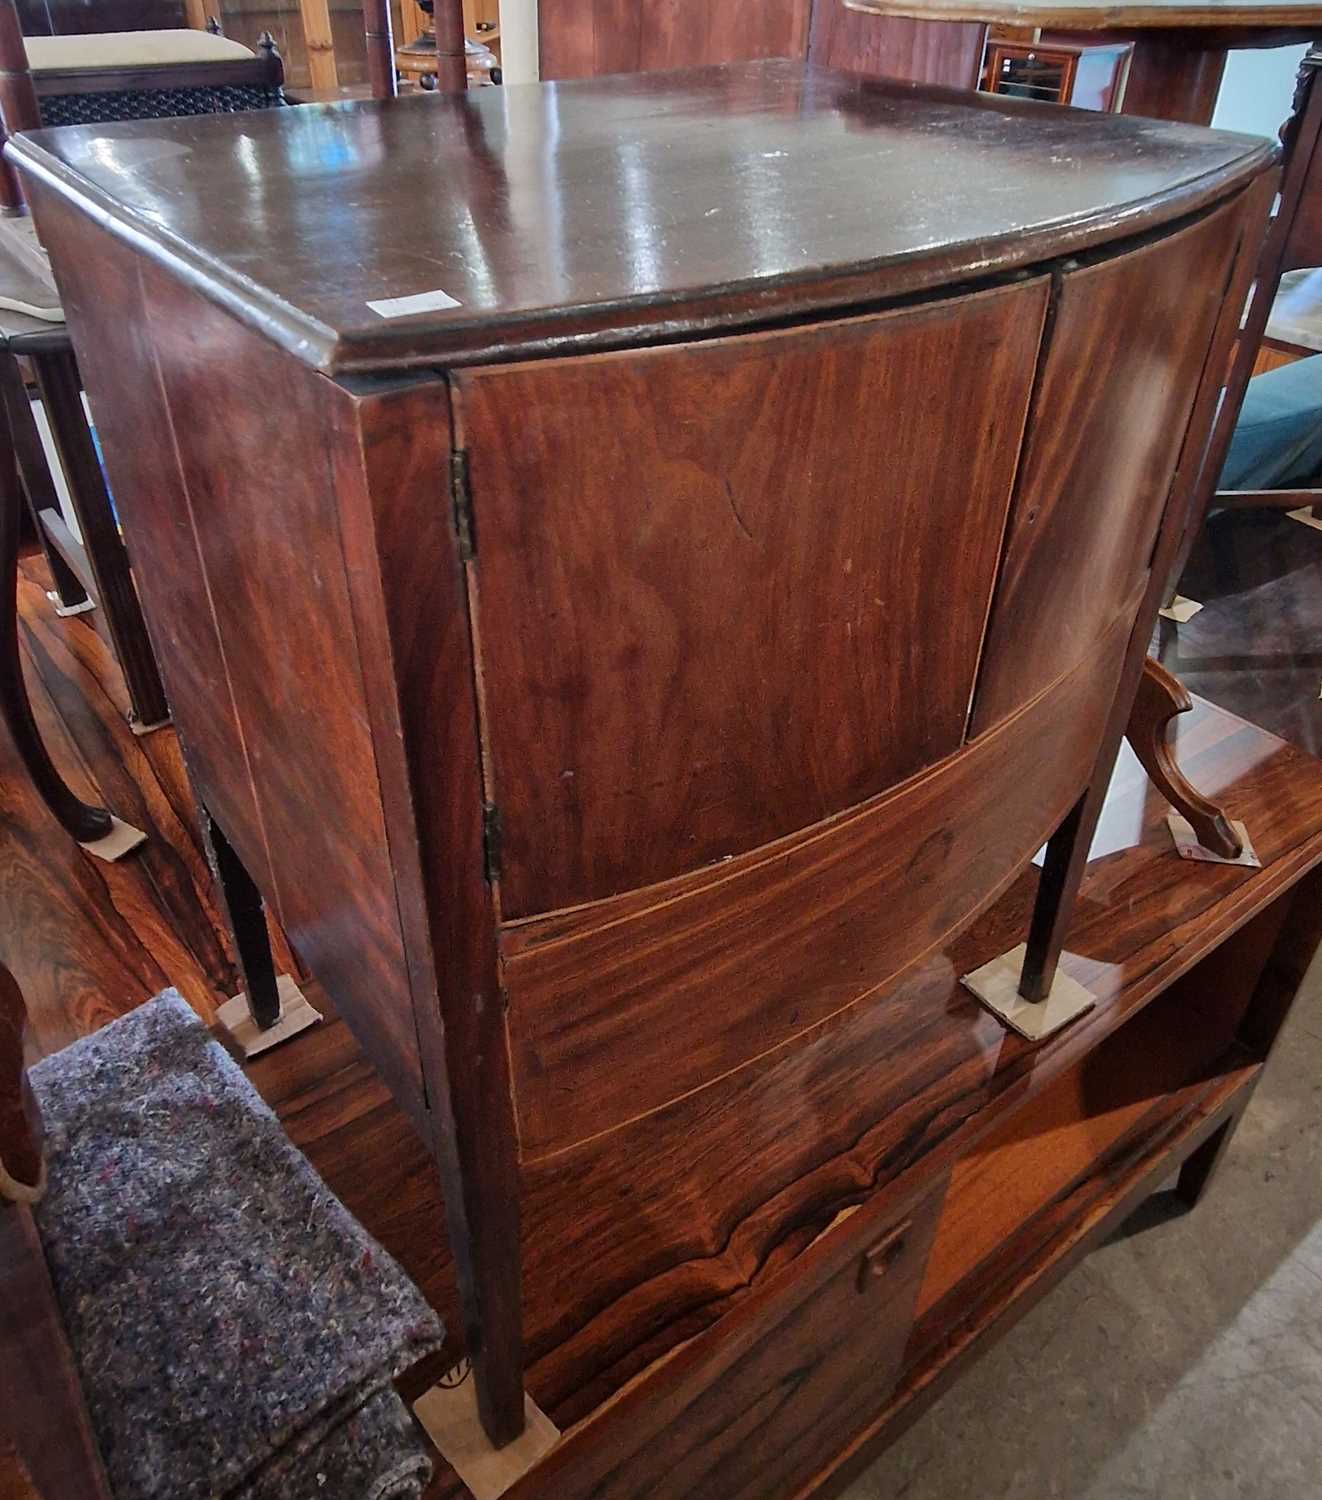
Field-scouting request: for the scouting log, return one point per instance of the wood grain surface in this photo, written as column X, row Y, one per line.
column 1128, row 341
column 689, row 221
column 700, row 1202
column 698, row 636
column 259, row 648
column 940, row 52
column 617, row 997
column 42, row 1411
column 1105, row 15
column 580, row 38
column 401, row 550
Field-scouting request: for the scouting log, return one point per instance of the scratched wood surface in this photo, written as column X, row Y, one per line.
column 717, row 197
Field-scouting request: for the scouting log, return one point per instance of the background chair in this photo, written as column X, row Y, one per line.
column 1275, row 453
column 1236, row 460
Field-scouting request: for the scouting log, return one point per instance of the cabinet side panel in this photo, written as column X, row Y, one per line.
column 269, row 699
column 104, row 304
column 1127, row 346
column 729, row 589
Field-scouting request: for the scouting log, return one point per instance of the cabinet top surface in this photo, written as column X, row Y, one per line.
column 559, row 216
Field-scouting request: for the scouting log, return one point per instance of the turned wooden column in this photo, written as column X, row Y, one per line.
column 451, row 69
column 380, row 48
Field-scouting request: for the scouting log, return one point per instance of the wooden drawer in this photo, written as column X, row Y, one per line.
column 756, row 1408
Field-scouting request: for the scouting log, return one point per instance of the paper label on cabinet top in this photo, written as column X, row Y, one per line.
column 419, row 302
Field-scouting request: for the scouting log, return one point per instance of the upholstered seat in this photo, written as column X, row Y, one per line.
column 130, row 49
column 1277, row 442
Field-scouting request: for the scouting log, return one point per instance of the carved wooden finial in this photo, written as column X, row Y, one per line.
column 1308, row 65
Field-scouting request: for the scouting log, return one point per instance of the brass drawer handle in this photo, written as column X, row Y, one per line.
column 881, row 1257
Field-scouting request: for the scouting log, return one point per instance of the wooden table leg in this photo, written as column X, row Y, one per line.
column 79, row 819
column 1199, row 1169
column 1293, row 951
column 61, row 394
column 242, row 906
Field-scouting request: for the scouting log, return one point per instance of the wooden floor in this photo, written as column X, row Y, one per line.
column 88, row 941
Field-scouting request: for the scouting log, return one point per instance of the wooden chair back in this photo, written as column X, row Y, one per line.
column 1293, row 242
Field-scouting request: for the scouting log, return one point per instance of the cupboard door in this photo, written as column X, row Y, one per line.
column 724, row 590
column 1128, row 343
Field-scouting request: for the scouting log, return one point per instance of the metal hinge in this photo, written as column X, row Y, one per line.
column 462, row 495
column 490, row 842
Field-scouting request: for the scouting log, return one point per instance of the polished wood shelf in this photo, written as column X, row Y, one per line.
column 1164, row 938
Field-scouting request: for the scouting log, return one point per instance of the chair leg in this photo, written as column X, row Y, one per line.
column 37, row 486
column 61, row 394
column 81, row 821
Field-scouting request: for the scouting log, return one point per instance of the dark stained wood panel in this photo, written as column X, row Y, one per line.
column 941, row 52
column 135, row 437
column 391, row 454
column 703, row 1203
column 1057, row 15
column 639, row 726
column 281, row 647
column 679, row 34
column 582, row 38
column 622, row 1006
column 665, row 205
column 45, row 1413
column 845, row 1321
column 1128, row 340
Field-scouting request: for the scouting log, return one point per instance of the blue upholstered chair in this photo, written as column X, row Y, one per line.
column 1275, row 455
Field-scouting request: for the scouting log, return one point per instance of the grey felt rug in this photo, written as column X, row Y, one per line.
column 236, row 1330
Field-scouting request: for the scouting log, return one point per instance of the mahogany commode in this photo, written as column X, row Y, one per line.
column 623, row 672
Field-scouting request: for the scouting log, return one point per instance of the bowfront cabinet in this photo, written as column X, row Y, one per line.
column 639, row 567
